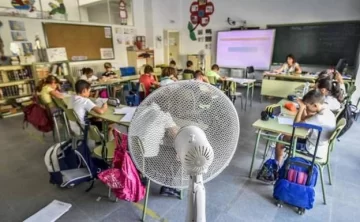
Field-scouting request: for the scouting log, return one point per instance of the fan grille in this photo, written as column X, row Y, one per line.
column 155, row 123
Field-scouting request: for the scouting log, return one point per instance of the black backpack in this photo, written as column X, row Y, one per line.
column 347, row 114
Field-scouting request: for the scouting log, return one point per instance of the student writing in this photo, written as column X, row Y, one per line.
column 312, row 110
column 148, row 80
column 291, row 66
column 88, row 75
column 214, row 73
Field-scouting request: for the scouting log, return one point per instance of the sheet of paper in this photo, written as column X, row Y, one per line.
column 50, row 213
column 124, row 110
column 129, row 115
column 100, row 101
column 285, row 120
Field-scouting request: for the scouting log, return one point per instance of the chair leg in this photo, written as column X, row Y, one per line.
column 241, row 100
column 266, row 149
column 56, row 129
column 322, row 183
column 146, row 200
column 329, row 173
column 66, row 125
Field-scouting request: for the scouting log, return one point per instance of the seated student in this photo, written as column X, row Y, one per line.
column 189, row 68
column 331, row 91
column 173, row 65
column 147, row 79
column 332, row 75
column 109, row 73
column 215, row 73
column 167, row 76
column 82, row 105
column 88, row 75
column 48, row 88
column 291, row 66
column 312, row 111
column 199, row 76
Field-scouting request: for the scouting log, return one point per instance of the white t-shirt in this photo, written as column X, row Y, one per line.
column 326, row 119
column 91, row 79
column 166, row 81
column 157, row 122
column 332, row 103
column 81, row 106
column 289, row 69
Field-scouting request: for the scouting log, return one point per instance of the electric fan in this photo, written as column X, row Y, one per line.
column 183, row 135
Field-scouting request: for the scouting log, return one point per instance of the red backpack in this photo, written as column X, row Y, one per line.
column 123, row 178
column 38, row 116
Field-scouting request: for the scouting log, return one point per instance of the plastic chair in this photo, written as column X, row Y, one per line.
column 325, row 162
column 61, row 105
column 187, row 76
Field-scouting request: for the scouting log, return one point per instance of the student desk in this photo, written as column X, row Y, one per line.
column 284, row 84
column 112, row 82
column 249, row 83
column 273, row 126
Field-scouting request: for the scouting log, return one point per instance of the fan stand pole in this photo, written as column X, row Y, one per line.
column 196, row 200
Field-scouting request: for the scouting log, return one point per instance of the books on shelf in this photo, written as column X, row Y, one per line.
column 16, row 75
column 17, row 90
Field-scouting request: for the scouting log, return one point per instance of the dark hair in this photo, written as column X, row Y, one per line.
column 86, row 71
column 198, row 73
column 215, row 67
column 107, row 65
column 313, row 96
column 332, row 86
column 325, row 74
column 291, row 56
column 148, row 69
column 172, row 62
column 81, row 85
column 48, row 80
column 189, row 64
column 168, row 71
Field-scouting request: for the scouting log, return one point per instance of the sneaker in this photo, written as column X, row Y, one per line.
column 167, row 191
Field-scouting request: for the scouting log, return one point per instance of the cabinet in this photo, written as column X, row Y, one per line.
column 17, row 85
column 140, row 58
column 201, row 62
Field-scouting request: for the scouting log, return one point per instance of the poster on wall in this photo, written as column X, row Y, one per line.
column 107, row 53
column 18, row 36
column 107, row 32
column 56, row 54
column 27, row 48
column 17, row 25
column 200, row 12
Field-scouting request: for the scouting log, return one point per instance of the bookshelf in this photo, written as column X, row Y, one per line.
column 140, row 58
column 41, row 70
column 17, row 85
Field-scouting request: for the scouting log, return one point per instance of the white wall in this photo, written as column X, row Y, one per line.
column 34, row 27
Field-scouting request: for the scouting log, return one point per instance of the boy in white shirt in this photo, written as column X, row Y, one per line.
column 82, row 105
column 312, row 110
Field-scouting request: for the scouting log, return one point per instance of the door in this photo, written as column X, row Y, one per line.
column 172, row 46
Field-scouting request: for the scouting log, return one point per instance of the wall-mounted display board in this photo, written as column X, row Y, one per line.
column 82, row 42
column 317, row 43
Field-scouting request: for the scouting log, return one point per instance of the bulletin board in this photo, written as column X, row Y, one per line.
column 82, row 42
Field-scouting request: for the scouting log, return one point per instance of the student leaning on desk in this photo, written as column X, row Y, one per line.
column 291, row 66
column 215, row 73
column 312, row 111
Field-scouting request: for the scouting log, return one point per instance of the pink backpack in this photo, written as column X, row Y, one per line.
column 123, row 178
column 103, row 94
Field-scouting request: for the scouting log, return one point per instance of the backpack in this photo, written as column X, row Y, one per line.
column 69, row 163
column 123, row 178
column 38, row 116
column 268, row 171
column 347, row 114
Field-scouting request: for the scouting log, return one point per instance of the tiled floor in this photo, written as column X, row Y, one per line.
column 24, row 187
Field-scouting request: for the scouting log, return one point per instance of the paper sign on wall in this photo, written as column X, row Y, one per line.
column 107, row 32
column 107, row 53
column 56, row 54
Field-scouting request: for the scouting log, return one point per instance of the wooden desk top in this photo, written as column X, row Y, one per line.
column 241, row 81
column 291, row 76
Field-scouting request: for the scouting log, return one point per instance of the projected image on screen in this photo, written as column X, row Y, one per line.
column 239, row 49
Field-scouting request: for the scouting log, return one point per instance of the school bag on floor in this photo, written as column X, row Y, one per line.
column 348, row 115
column 297, row 177
column 123, row 179
column 69, row 163
column 38, row 116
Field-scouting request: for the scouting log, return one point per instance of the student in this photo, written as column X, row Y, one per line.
column 189, row 68
column 82, row 105
column 88, row 75
column 199, row 76
column 291, row 66
column 312, row 111
column 215, row 73
column 109, row 73
column 172, row 64
column 167, row 76
column 147, row 79
column 332, row 75
column 331, row 91
column 48, row 88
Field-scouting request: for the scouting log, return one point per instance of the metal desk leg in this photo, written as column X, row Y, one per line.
column 247, row 95
column 146, row 200
column 255, row 151
column 105, row 126
column 252, row 93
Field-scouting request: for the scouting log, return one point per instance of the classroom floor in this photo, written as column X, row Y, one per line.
column 232, row 196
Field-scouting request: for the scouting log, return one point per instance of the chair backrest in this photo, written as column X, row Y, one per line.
column 351, row 91
column 339, row 126
column 187, row 76
column 59, row 103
